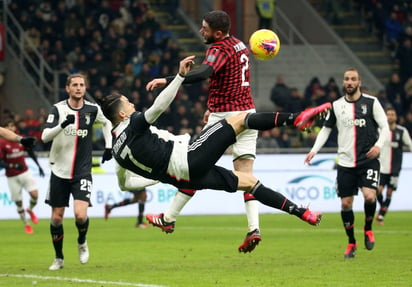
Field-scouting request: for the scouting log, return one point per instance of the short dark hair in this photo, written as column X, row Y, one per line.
column 218, row 20
column 353, row 70
column 110, row 105
column 76, row 75
column 389, row 107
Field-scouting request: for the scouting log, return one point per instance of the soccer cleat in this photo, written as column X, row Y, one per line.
column 306, row 118
column 142, row 225
column 312, row 217
column 28, row 229
column 157, row 220
column 252, row 239
column 379, row 219
column 106, row 211
column 83, row 252
column 350, row 250
column 369, row 239
column 33, row 216
column 57, row 264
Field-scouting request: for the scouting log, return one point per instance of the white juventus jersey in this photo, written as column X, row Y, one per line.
column 359, row 124
column 392, row 152
column 71, row 149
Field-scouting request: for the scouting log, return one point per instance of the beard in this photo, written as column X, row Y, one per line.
column 351, row 93
column 209, row 40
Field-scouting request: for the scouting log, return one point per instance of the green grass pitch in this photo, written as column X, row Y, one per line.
column 203, row 252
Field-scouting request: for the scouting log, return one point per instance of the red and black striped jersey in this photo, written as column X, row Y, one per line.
column 229, row 87
column 13, row 152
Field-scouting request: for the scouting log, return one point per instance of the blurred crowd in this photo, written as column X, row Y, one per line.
column 121, row 45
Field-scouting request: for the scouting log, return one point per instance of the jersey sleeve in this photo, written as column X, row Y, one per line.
column 128, row 180
column 106, row 128
column 321, row 139
column 51, row 127
column 330, row 120
column 406, row 139
column 163, row 100
column 380, row 118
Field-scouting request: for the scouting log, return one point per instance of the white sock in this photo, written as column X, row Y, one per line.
column 252, row 214
column 178, row 202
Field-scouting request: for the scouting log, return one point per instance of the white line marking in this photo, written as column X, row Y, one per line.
column 78, row 280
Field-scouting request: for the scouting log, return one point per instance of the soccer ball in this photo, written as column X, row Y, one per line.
column 264, row 44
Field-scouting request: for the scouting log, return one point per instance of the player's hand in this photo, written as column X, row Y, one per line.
column 28, row 142
column 373, row 152
column 309, row 157
column 156, row 83
column 185, row 65
column 69, row 120
column 17, row 166
column 41, row 171
column 107, row 155
column 206, row 116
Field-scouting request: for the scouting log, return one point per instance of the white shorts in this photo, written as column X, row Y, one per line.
column 18, row 182
column 245, row 146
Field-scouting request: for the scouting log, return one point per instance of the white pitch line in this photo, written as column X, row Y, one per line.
column 78, row 280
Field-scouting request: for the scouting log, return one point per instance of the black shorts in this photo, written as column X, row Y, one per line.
column 350, row 179
column 61, row 188
column 217, row 178
column 203, row 153
column 389, row 180
column 209, row 147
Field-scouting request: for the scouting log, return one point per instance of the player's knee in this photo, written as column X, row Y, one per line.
column 237, row 122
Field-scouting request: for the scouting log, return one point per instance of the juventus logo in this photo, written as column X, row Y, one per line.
column 364, row 109
column 87, row 118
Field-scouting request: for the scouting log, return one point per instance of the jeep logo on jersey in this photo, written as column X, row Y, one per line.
column 70, row 131
column 356, row 122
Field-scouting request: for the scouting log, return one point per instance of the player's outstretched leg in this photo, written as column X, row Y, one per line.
column 276, row 200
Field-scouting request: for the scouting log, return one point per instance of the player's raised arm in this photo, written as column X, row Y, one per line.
column 166, row 97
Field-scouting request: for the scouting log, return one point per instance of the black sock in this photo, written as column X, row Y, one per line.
column 127, row 201
column 276, row 200
column 141, row 205
column 379, row 198
column 57, row 234
column 82, row 229
column 267, row 121
column 348, row 219
column 369, row 208
column 387, row 202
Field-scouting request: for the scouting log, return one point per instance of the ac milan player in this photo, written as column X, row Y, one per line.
column 19, row 177
column 227, row 65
